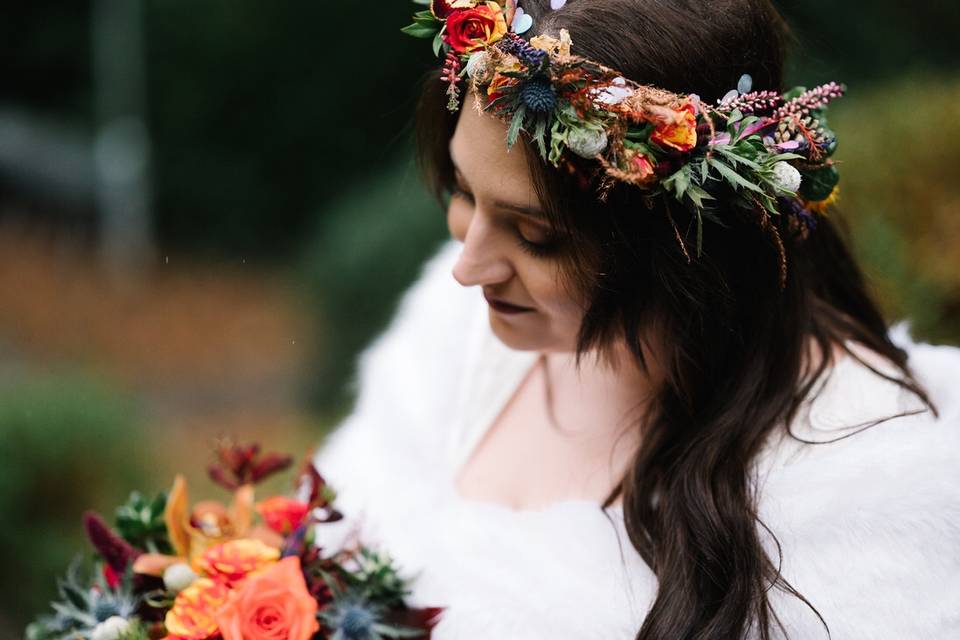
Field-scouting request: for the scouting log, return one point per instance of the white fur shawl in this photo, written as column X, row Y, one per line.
column 869, row 526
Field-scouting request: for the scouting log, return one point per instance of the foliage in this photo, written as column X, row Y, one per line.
column 140, row 522
column 901, row 196
column 66, row 441
column 86, row 600
column 367, row 248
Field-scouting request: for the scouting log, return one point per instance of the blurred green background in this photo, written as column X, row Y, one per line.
column 199, row 213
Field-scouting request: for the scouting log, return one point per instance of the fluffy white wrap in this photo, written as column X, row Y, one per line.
column 869, row 526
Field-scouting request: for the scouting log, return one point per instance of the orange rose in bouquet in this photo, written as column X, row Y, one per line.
column 274, row 605
column 212, row 572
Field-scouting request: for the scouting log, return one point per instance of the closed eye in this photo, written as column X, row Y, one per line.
column 536, row 249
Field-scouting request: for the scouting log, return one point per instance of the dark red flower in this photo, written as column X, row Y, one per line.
column 238, row 465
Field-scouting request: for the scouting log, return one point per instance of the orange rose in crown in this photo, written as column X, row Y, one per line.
column 677, row 129
column 274, row 604
column 475, row 27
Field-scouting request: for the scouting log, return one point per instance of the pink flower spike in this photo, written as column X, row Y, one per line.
column 723, row 138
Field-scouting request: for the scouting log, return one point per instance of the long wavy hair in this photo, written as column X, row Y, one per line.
column 732, row 333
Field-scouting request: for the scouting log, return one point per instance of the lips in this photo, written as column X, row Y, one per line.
column 503, row 304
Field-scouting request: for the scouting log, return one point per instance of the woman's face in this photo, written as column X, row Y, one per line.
column 508, row 250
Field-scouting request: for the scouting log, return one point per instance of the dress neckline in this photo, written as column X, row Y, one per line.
column 493, row 376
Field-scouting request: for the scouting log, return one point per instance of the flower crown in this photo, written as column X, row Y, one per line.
column 769, row 152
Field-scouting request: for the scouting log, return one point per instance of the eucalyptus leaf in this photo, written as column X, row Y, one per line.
column 818, row 184
column 438, row 43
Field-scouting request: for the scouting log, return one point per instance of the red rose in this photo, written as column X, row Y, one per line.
column 470, row 29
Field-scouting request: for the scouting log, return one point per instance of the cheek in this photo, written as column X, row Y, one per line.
column 544, row 285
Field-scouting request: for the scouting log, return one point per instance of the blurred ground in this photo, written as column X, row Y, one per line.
column 110, row 385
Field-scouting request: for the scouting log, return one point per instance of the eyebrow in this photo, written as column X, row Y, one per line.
column 525, row 210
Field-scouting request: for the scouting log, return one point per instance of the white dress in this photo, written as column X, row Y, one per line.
column 869, row 525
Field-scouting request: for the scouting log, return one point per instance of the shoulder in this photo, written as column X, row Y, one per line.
column 405, row 379
column 869, row 518
column 420, row 353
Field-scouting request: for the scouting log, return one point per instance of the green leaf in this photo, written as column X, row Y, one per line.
column 783, row 157
column 423, row 2
column 538, row 135
column 735, row 179
column 735, row 116
column 697, row 195
column 426, row 17
column 642, row 134
column 679, row 182
column 500, row 100
column 437, row 43
column 419, row 31
column 699, row 234
column 726, row 152
column 515, row 124
column 819, row 183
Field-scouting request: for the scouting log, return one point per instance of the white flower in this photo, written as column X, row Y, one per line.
column 786, row 176
column 477, row 63
column 614, row 94
column 110, row 629
column 178, row 577
column 587, row 143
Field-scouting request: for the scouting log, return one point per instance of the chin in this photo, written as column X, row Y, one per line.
column 516, row 338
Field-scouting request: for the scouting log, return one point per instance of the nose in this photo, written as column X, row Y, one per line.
column 482, row 260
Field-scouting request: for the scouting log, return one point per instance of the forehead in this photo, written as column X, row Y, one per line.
column 478, row 149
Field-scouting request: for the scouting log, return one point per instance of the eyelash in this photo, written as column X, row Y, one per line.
column 534, row 249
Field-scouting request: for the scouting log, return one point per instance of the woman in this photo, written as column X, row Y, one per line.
column 621, row 440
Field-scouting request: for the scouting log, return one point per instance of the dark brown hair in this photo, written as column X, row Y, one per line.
column 732, row 335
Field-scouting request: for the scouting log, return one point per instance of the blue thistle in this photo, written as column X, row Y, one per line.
column 104, row 609
column 538, row 95
column 354, row 619
column 356, row 622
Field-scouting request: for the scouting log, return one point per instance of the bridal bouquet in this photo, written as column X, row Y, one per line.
column 249, row 570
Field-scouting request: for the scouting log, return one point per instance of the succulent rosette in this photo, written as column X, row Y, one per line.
column 211, row 571
column 763, row 151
